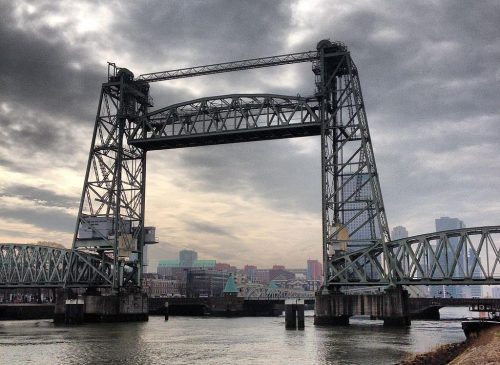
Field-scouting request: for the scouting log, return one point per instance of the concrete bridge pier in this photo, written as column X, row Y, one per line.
column 335, row 308
column 100, row 307
column 332, row 309
column 395, row 307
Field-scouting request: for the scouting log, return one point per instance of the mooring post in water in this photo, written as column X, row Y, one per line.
column 165, row 310
column 300, row 314
column 290, row 314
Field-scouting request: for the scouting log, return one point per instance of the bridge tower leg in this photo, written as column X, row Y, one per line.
column 107, row 252
column 352, row 206
column 353, row 210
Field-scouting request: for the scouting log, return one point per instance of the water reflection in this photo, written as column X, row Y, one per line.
column 184, row 340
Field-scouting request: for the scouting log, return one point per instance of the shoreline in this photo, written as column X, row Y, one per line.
column 483, row 349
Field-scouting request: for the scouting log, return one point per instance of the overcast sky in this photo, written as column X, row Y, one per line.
column 429, row 72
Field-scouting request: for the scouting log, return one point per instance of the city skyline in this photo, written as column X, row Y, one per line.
column 258, row 201
column 186, row 257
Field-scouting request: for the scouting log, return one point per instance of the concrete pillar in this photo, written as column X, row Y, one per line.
column 395, row 307
column 165, row 311
column 332, row 309
column 74, row 311
column 290, row 315
column 300, row 315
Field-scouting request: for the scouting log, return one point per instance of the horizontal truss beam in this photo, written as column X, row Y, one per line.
column 230, row 66
column 227, row 119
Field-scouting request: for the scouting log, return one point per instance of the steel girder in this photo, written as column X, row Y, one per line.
column 30, row 266
column 468, row 256
column 227, row 119
column 113, row 191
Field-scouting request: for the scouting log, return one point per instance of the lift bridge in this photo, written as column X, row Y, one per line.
column 110, row 234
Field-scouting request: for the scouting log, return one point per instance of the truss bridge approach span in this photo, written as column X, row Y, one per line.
column 35, row 266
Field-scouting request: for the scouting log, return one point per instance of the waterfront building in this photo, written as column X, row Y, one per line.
column 168, row 268
column 206, row 282
column 156, row 286
column 221, row 266
column 299, row 273
column 279, row 273
column 250, row 272
column 169, row 264
column 261, row 276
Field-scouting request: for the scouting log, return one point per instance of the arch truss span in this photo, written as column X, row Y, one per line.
column 31, row 266
column 227, row 119
column 469, row 256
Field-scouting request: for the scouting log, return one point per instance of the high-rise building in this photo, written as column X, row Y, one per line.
column 187, row 258
column 314, row 270
column 455, row 291
column 399, row 232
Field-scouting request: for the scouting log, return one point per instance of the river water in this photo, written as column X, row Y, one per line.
column 208, row 340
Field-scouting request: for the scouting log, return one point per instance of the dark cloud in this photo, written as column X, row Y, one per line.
column 209, row 228
column 48, row 219
column 202, row 32
column 36, row 70
column 31, row 139
column 39, row 196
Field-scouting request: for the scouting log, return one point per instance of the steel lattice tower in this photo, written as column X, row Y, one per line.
column 353, row 210
column 111, row 215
